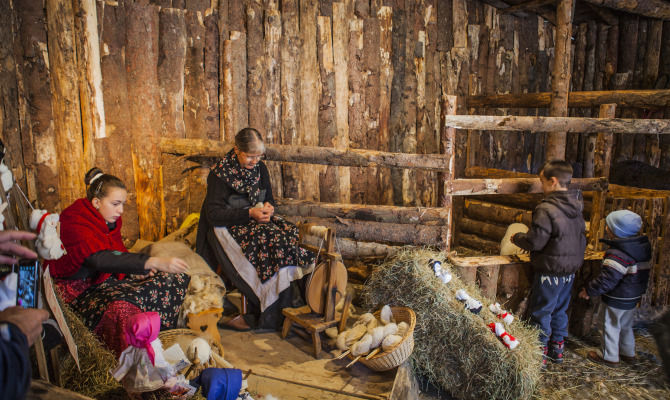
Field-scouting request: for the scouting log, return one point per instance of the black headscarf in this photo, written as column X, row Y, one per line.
column 238, row 178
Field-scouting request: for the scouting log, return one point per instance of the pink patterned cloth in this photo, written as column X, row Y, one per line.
column 112, row 326
column 142, row 329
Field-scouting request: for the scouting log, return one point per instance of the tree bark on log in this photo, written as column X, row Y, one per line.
column 385, row 15
column 195, row 96
column 480, row 244
column 560, row 77
column 271, row 65
column 448, row 105
column 351, row 249
column 413, row 234
column 602, row 158
column 66, row 106
column 390, row 214
column 256, row 84
column 649, row 8
column 211, row 74
column 488, row 281
column 371, row 61
column 328, row 176
column 236, row 113
column 484, row 211
column 356, row 105
column 341, row 61
column 559, row 124
column 142, row 80
column 627, row 98
column 462, row 187
column 310, row 154
column 482, row 228
column 309, row 94
column 290, row 94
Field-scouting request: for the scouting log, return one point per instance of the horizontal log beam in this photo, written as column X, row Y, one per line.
column 390, row 214
column 482, row 245
column 464, row 187
column 483, row 261
column 627, row 98
column 484, row 211
column 311, row 154
column 559, row 124
column 350, row 249
column 649, row 8
column 486, row 229
column 496, row 173
column 367, row 231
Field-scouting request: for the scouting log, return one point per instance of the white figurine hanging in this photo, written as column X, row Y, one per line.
column 6, row 177
column 48, row 243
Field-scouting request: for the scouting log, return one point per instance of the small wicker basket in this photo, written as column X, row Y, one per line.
column 387, row 360
column 184, row 337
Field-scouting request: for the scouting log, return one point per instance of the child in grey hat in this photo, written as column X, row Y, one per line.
column 621, row 283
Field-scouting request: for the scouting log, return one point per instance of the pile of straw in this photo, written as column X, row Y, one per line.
column 454, row 349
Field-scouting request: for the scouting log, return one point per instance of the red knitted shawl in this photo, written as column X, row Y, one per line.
column 83, row 232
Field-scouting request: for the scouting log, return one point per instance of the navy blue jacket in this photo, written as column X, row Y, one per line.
column 15, row 369
column 624, row 274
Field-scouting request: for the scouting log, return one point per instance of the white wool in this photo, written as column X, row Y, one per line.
column 354, row 334
column 377, row 337
column 199, row 349
column 364, row 319
column 390, row 329
column 340, row 342
column 507, row 248
column 402, row 328
column 391, row 341
column 386, row 315
column 362, row 346
column 331, row 332
column 372, row 324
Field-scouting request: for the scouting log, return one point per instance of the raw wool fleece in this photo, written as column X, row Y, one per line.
column 453, row 348
column 507, row 248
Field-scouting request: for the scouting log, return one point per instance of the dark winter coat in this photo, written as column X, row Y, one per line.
column 557, row 236
column 625, row 272
column 15, row 369
column 223, row 206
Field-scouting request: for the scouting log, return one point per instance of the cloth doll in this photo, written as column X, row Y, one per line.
column 48, row 243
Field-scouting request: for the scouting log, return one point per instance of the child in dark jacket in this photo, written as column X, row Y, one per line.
column 621, row 283
column 556, row 241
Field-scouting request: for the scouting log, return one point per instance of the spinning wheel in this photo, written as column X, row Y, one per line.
column 325, row 288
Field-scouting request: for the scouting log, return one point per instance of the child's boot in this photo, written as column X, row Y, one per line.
column 556, row 354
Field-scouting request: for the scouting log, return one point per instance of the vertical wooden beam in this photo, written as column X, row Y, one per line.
column 662, row 271
column 211, row 75
column 328, row 186
column 235, row 115
column 654, row 230
column 143, row 96
column 65, row 105
column 309, row 95
column 341, row 60
column 90, row 76
column 385, row 15
column 271, row 66
column 602, row 160
column 371, row 61
column 357, row 81
column 290, row 93
column 488, row 281
column 256, row 84
column 448, row 106
column 223, row 36
column 560, row 77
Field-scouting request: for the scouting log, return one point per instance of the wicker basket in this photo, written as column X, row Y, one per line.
column 387, row 360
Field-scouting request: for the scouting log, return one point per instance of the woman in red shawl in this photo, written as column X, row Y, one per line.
column 103, row 283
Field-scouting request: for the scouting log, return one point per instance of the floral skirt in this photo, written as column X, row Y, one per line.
column 271, row 246
column 105, row 308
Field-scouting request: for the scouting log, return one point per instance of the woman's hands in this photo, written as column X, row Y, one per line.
column 171, row 265
column 262, row 214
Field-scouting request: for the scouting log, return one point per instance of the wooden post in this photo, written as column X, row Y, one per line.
column 142, row 80
column 560, row 77
column 448, row 106
column 488, row 281
column 341, row 60
column 66, row 109
column 290, row 94
column 385, row 15
column 234, row 87
column 272, row 95
column 661, row 272
column 602, row 160
column 328, row 179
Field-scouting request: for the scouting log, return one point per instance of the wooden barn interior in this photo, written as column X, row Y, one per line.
column 393, row 122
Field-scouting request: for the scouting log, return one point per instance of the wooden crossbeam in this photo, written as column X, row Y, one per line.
column 649, row 8
column 527, row 5
column 311, row 154
column 628, row 98
column 559, row 124
column 484, row 261
column 466, row 187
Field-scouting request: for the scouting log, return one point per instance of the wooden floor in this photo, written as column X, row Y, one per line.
column 286, row 369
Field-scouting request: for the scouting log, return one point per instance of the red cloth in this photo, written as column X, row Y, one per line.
column 142, row 329
column 84, row 232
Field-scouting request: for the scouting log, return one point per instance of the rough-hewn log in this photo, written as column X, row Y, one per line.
column 602, row 158
column 350, row 249
column 526, row 5
column 661, row 270
column 462, row 187
column 414, row 234
column 341, row 61
column 310, row 154
column 90, row 84
column 448, row 105
column 485, row 211
column 482, row 245
column 559, row 124
column 211, row 74
column 653, row 54
column 560, row 77
column 143, row 95
column 391, row 214
column 371, row 61
column 328, row 179
column 385, row 15
column 356, row 105
column 482, row 228
column 234, row 87
column 649, row 8
column 290, row 94
column 487, row 278
column 480, row 261
column 309, row 94
column 256, row 84
column 272, row 38
column 66, row 109
column 195, row 96
column 627, row 98
column 481, row 172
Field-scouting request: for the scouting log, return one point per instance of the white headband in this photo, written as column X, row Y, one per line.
column 98, row 175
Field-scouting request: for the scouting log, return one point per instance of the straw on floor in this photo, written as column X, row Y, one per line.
column 454, row 348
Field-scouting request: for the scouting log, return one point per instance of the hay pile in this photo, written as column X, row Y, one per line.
column 454, row 348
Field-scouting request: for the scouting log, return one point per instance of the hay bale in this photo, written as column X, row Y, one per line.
column 454, row 348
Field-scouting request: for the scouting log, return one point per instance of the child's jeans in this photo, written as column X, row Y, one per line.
column 618, row 337
column 549, row 300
